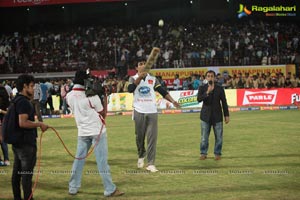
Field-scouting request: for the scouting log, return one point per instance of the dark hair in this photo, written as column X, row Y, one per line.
column 4, row 98
column 24, row 79
column 210, row 72
column 80, row 76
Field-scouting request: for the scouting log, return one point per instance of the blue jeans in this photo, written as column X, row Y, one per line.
column 4, row 150
column 43, row 104
column 100, row 151
column 205, row 131
column 65, row 107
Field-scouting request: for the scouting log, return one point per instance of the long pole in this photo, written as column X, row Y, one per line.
column 68, row 52
column 229, row 56
column 115, row 45
column 277, row 43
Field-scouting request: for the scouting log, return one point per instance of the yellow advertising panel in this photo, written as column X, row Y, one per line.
column 187, row 99
column 291, row 68
column 120, row 101
column 231, row 97
column 169, row 74
column 182, row 72
column 55, row 101
column 253, row 70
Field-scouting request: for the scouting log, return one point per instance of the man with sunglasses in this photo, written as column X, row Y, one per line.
column 212, row 96
column 143, row 87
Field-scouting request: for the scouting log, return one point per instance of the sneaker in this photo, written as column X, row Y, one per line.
column 7, row 162
column 203, row 157
column 152, row 168
column 2, row 164
column 217, row 157
column 73, row 191
column 140, row 163
column 116, row 193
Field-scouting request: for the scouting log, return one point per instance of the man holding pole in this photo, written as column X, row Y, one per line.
column 143, row 87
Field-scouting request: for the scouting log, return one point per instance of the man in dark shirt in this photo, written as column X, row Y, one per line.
column 4, row 103
column 25, row 151
column 211, row 114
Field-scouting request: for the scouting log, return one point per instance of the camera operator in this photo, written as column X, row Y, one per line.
column 89, row 114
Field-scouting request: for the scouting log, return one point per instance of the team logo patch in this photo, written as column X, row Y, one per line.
column 150, row 82
column 144, row 90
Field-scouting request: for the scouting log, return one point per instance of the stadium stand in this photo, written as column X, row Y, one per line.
column 189, row 45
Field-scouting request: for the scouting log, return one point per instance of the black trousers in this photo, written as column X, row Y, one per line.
column 24, row 162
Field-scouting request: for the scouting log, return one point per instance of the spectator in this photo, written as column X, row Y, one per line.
column 64, row 89
column 120, row 85
column 125, row 88
column 44, row 96
column 36, row 100
column 186, row 83
column 50, row 87
column 105, row 47
column 14, row 90
column 9, row 89
column 255, row 82
column 281, row 80
column 273, row 83
column 294, row 81
column 195, row 82
column 4, row 103
column 240, row 83
column 288, row 83
column 220, row 79
column 176, row 82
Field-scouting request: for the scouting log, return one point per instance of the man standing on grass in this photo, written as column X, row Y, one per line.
column 211, row 114
column 25, row 149
column 143, row 87
column 89, row 115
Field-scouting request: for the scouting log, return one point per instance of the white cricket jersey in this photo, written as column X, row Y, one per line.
column 144, row 97
column 86, row 111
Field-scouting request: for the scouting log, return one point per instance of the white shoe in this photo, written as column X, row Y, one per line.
column 7, row 162
column 140, row 163
column 152, row 168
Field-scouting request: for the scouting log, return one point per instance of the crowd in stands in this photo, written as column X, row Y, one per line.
column 239, row 81
column 117, row 48
column 189, row 45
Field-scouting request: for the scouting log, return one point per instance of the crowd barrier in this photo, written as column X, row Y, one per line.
column 178, row 111
column 237, row 99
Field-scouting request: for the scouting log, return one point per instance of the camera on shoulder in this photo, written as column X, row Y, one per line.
column 94, row 86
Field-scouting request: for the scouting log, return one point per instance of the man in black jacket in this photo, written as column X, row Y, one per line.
column 211, row 114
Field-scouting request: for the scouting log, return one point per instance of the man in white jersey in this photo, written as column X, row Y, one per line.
column 143, row 87
column 89, row 116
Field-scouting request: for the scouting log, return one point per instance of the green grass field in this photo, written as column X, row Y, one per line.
column 261, row 160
